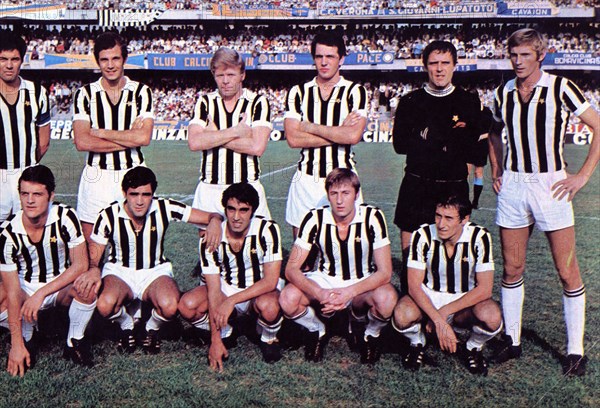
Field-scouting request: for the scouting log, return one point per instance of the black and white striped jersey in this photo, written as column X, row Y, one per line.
column 43, row 261
column 92, row 104
column 536, row 129
column 221, row 165
column 242, row 269
column 351, row 258
column 456, row 273
column 144, row 249
column 19, row 123
column 304, row 102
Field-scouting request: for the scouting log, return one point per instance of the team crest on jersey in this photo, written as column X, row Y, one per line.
column 53, row 240
column 357, row 240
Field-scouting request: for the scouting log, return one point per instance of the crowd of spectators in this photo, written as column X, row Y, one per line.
column 277, row 4
column 175, row 99
column 407, row 41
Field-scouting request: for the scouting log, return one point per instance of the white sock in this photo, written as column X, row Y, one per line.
column 123, row 318
column 134, row 308
column 155, row 321
column 574, row 308
column 413, row 333
column 202, row 323
column 4, row 319
column 79, row 317
column 309, row 319
column 375, row 325
column 269, row 330
column 513, row 295
column 226, row 331
column 479, row 337
column 27, row 329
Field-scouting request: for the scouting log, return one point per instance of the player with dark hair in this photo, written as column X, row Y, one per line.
column 353, row 272
column 136, row 267
column 242, row 276
column 42, row 253
column 24, row 122
column 324, row 117
column 112, row 119
column 450, row 280
column 535, row 108
column 435, row 127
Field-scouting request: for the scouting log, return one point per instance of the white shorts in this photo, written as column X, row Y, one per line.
column 305, row 193
column 138, row 280
column 526, row 199
column 208, row 198
column 330, row 282
column 441, row 299
column 9, row 192
column 243, row 307
column 30, row 288
column 97, row 189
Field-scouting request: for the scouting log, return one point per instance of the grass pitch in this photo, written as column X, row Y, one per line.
column 180, row 377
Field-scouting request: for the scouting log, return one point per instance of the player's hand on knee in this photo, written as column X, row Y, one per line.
column 87, row 284
column 31, row 307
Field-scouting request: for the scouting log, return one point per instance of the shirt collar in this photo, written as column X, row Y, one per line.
column 328, row 215
column 252, row 230
column 439, row 93
column 19, row 228
column 340, row 82
column 464, row 236
column 22, row 84
column 123, row 214
column 244, row 94
column 543, row 81
column 129, row 85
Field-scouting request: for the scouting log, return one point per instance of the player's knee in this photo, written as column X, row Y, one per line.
column 268, row 307
column 107, row 304
column 289, row 300
column 488, row 313
column 89, row 299
column 570, row 276
column 167, row 306
column 187, row 306
column 385, row 299
column 405, row 315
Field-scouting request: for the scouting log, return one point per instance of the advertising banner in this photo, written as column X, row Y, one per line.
column 458, row 10
column 34, row 11
column 377, row 131
column 572, row 59
column 464, row 65
column 80, row 61
column 189, row 62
